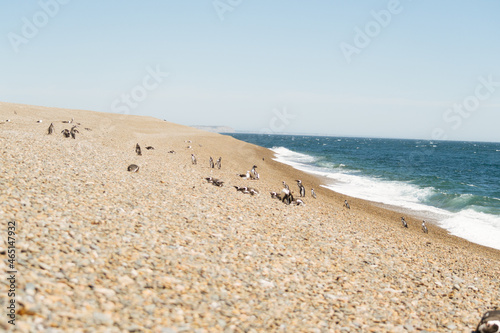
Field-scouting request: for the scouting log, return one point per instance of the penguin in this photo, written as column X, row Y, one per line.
column 247, row 175
column 404, row 222
column 211, row 162
column 51, row 128
column 275, row 195
column 39, row 121
column 302, row 190
column 171, row 152
column 68, row 121
column 217, row 182
column 287, row 194
column 490, row 322
column 150, row 148
column 193, row 159
column 297, row 202
column 218, row 163
column 66, row 133
column 138, row 149
column 73, row 132
column 253, row 173
column 133, row 168
column 252, row 191
column 424, row 228
column 346, row 204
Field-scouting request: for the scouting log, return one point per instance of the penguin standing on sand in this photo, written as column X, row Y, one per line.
column 287, row 194
column 193, row 159
column 346, row 204
column 313, row 193
column 302, row 189
column 424, row 228
column 51, row 128
column 218, row 163
column 404, row 222
column 138, row 149
column 211, row 161
column 73, row 132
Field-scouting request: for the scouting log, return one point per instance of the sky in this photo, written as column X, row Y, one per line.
column 394, row 69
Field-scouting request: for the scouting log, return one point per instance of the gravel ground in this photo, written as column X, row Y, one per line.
column 100, row 249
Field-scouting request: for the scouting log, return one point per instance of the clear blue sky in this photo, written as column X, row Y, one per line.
column 335, row 67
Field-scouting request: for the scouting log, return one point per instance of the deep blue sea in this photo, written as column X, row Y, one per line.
column 455, row 184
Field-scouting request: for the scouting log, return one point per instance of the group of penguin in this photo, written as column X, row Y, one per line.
column 405, row 225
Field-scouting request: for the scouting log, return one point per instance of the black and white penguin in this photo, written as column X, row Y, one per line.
column 193, row 159
column 302, row 189
column 51, row 128
column 346, row 204
column 211, row 162
column 73, row 132
column 66, row 133
column 403, row 221
column 246, row 176
column 313, row 193
column 218, row 163
column 490, row 322
column 150, row 148
column 424, row 228
column 275, row 195
column 138, row 149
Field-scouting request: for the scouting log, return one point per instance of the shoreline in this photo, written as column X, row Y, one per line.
column 107, row 249
column 430, row 217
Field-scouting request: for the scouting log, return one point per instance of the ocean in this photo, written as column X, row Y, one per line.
column 454, row 184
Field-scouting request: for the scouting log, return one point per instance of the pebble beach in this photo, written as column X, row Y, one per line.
column 101, row 249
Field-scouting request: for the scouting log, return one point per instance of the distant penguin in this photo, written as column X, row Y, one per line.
column 211, row 162
column 150, row 148
column 424, row 228
column 313, row 193
column 66, row 133
column 253, row 191
column 218, row 163
column 247, row 175
column 297, row 202
column 253, row 173
column 193, row 159
column 490, row 322
column 68, row 121
column 138, row 149
column 346, row 204
column 275, row 195
column 51, row 128
column 302, row 190
column 73, row 132
column 39, row 121
column 133, row 168
column 404, row 222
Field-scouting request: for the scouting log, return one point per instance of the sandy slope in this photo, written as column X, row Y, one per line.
column 103, row 249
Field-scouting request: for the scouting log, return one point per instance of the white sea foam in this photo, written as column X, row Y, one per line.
column 474, row 226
